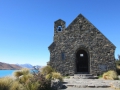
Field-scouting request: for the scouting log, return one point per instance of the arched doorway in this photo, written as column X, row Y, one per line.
column 82, row 61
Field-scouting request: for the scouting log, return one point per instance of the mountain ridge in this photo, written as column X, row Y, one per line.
column 6, row 66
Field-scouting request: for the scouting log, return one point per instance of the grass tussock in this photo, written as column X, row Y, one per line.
column 110, row 75
column 16, row 86
column 51, row 74
column 56, row 75
column 32, row 85
column 117, row 89
column 47, row 70
column 30, row 81
column 25, row 78
column 5, row 83
column 18, row 74
column 25, row 71
column 48, row 76
column 118, row 69
column 21, row 72
column 118, row 65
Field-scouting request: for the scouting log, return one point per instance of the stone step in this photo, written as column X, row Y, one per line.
column 86, row 83
column 84, row 76
column 83, row 83
column 72, row 88
column 87, row 86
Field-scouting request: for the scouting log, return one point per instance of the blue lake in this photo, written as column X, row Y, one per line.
column 4, row 73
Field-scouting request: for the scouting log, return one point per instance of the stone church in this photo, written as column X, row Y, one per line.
column 80, row 48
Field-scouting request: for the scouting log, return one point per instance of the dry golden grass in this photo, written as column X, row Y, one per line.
column 47, row 70
column 32, row 85
column 5, row 83
column 25, row 71
column 48, row 76
column 16, row 86
column 21, row 72
column 25, row 81
column 25, row 78
column 17, row 74
column 56, row 75
column 117, row 89
column 50, row 73
column 118, row 67
column 110, row 75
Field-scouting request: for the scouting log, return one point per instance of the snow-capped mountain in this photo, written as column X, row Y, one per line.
column 28, row 66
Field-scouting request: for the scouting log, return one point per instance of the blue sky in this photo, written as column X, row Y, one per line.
column 26, row 26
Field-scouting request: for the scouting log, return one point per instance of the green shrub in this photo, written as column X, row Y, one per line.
column 66, row 77
column 118, row 62
column 100, row 76
column 110, row 75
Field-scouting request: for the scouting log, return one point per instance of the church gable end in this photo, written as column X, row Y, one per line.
column 80, row 48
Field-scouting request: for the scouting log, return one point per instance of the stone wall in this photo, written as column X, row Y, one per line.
column 81, row 34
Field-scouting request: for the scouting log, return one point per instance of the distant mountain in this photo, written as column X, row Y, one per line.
column 5, row 66
column 28, row 66
column 25, row 65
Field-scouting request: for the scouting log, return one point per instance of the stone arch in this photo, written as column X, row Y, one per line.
column 85, row 51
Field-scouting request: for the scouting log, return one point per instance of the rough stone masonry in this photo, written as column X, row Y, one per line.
column 80, row 48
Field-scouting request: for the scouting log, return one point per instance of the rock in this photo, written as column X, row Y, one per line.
column 56, row 84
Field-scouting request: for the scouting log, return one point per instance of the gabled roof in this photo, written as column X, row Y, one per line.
column 78, row 17
column 59, row 20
